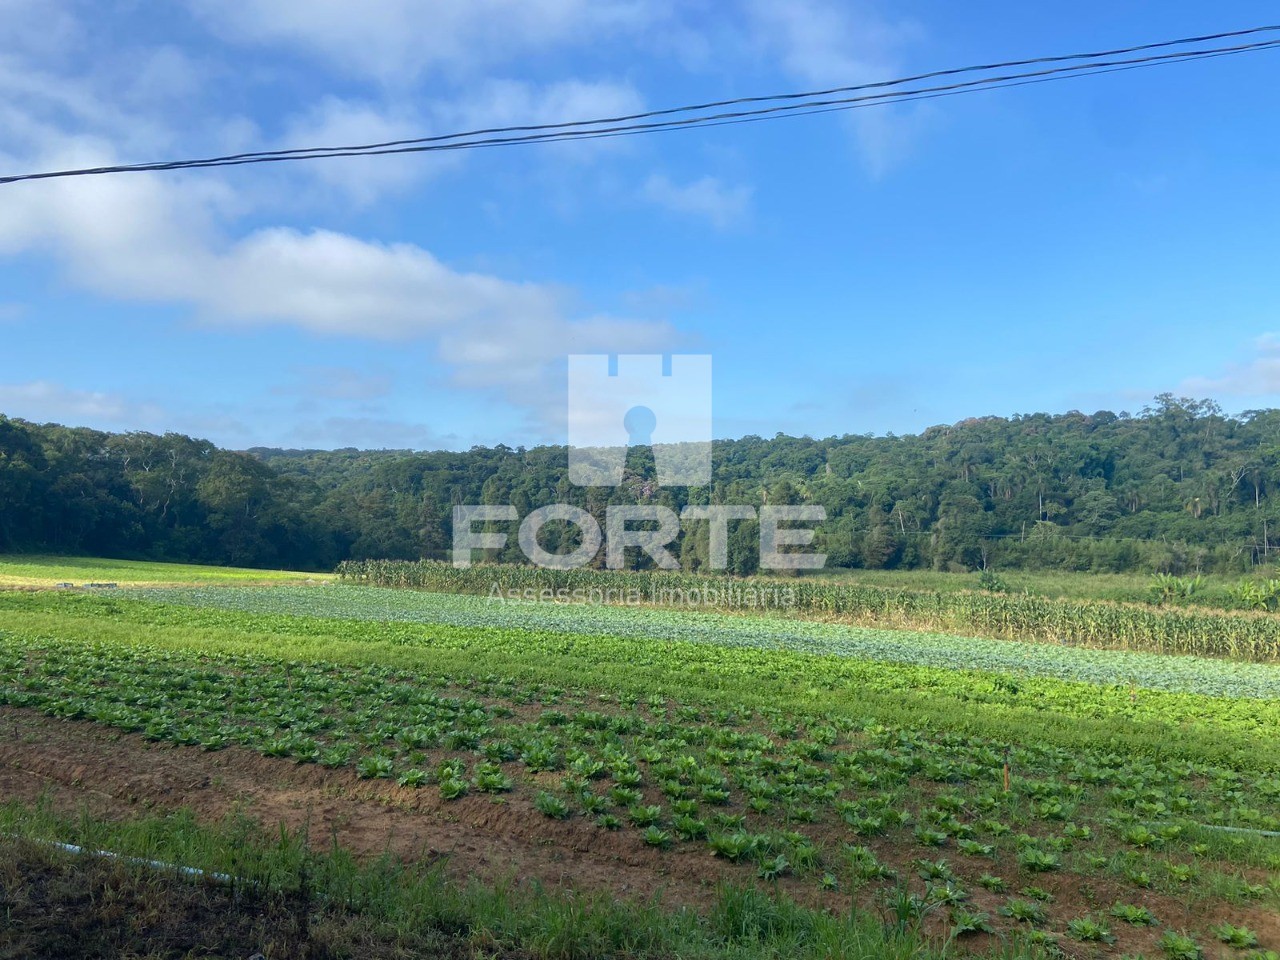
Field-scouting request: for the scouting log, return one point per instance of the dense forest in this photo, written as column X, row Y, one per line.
column 1177, row 487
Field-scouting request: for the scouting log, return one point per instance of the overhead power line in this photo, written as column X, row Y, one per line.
column 752, row 108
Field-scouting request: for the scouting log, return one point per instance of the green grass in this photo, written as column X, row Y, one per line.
column 38, row 570
column 378, row 909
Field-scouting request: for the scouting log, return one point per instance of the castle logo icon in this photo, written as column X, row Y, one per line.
column 621, row 401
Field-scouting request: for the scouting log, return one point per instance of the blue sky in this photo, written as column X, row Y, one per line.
column 1076, row 245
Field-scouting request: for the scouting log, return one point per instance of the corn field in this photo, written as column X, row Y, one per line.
column 1086, row 623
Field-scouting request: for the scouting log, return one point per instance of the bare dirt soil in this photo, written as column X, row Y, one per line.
column 116, row 775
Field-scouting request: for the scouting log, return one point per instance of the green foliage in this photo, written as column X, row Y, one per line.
column 549, row 805
column 733, row 846
column 1138, row 916
column 644, row 816
column 1038, row 861
column 374, row 766
column 1026, row 911
column 656, row 837
column 1207, row 728
column 1090, row 929
column 451, row 788
column 74, row 490
column 1233, row 936
column 1176, row 488
column 489, row 778
column 1179, row 946
column 413, row 778
column 989, row 580
column 965, row 921
column 1254, row 595
column 1165, row 587
column 772, row 868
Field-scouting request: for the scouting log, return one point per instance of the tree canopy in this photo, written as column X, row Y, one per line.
column 1178, row 486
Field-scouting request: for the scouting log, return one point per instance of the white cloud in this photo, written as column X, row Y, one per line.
column 706, row 198
column 29, row 96
column 57, row 72
column 1254, row 378
column 176, row 238
column 823, row 42
column 506, row 102
column 362, row 181
column 396, row 41
column 147, row 237
column 333, row 283
column 38, row 27
column 41, row 401
column 335, row 122
column 828, row 44
column 44, row 401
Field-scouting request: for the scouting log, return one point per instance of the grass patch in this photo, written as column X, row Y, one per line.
column 289, row 900
column 31, row 570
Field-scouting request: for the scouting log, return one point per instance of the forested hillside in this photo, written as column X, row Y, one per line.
column 1179, row 486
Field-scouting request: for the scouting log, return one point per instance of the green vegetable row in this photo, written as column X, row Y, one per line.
column 1086, row 623
column 1145, row 671
column 1010, row 708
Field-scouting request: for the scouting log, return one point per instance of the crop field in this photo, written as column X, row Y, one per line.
column 1212, row 676
column 897, row 793
column 1079, row 622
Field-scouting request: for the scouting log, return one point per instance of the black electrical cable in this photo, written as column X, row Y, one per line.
column 724, row 119
column 795, row 104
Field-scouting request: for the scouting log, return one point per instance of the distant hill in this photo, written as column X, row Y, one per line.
column 1178, row 486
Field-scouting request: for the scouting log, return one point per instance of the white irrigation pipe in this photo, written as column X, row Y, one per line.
column 1210, row 826
column 143, row 861
column 1260, row 833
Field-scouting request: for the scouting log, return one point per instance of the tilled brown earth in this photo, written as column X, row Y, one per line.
column 117, row 775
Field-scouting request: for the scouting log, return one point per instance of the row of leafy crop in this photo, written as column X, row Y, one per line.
column 1018, row 616
column 1210, row 676
column 1009, row 708
column 781, row 793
